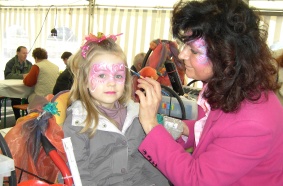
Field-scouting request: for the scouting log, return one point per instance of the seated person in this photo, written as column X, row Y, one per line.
column 15, row 69
column 65, row 79
column 137, row 64
column 42, row 76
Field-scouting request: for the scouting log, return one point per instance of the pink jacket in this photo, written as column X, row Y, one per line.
column 242, row 148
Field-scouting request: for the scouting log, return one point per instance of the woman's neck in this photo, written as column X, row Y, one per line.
column 38, row 60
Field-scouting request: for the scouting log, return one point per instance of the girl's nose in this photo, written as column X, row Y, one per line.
column 111, row 81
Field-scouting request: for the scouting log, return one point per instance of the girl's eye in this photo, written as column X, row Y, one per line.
column 102, row 75
column 194, row 52
column 118, row 76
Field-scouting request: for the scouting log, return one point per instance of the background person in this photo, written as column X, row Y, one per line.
column 238, row 135
column 42, row 75
column 102, row 120
column 136, row 67
column 137, row 63
column 65, row 79
column 65, row 56
column 16, row 68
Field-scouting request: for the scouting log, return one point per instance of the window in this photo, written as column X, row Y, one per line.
column 56, row 45
column 13, row 37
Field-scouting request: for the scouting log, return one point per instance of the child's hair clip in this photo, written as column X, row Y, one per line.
column 100, row 37
column 97, row 39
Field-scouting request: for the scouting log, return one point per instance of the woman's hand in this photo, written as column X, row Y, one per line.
column 150, row 100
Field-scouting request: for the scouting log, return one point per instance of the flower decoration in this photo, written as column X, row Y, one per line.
column 160, row 119
column 84, row 50
column 51, row 107
column 97, row 39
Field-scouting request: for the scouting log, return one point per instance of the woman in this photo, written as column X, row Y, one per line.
column 42, row 75
column 238, row 135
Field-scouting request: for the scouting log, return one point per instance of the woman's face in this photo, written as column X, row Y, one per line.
column 107, row 79
column 198, row 65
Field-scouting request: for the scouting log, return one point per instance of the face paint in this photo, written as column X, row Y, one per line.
column 200, row 46
column 104, row 73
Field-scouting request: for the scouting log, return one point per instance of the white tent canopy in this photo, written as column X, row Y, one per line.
column 29, row 22
column 144, row 3
column 261, row 4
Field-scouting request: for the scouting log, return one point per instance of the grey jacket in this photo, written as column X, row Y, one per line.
column 111, row 157
column 13, row 71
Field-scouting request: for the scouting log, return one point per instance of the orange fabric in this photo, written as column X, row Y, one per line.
column 31, row 79
column 17, row 141
column 161, row 51
column 148, row 72
column 157, row 56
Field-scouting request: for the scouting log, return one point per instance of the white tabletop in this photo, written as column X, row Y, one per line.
column 5, row 131
column 14, row 88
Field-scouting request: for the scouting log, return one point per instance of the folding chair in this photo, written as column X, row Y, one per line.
column 3, row 100
column 23, row 106
column 6, row 152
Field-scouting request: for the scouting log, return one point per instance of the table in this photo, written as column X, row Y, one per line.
column 14, row 88
column 5, row 131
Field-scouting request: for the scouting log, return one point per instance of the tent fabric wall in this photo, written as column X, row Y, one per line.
column 32, row 21
column 139, row 27
column 31, row 26
column 275, row 29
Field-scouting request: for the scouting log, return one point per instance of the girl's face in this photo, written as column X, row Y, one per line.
column 107, row 79
column 198, row 65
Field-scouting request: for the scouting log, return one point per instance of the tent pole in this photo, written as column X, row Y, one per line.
column 91, row 15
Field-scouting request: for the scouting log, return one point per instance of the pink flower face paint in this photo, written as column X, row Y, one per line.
column 102, row 73
column 199, row 47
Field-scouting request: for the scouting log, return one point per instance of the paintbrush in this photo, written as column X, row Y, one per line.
column 136, row 73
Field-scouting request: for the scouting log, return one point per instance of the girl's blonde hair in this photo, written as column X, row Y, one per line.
column 80, row 67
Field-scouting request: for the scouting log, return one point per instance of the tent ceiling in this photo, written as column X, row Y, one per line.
column 260, row 4
column 144, row 3
column 42, row 2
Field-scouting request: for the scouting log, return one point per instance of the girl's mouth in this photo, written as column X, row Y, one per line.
column 110, row 92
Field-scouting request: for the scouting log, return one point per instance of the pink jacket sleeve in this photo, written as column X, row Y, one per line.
column 224, row 160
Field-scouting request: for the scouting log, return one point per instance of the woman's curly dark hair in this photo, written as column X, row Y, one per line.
column 236, row 46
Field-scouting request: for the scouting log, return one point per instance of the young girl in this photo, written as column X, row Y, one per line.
column 102, row 120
